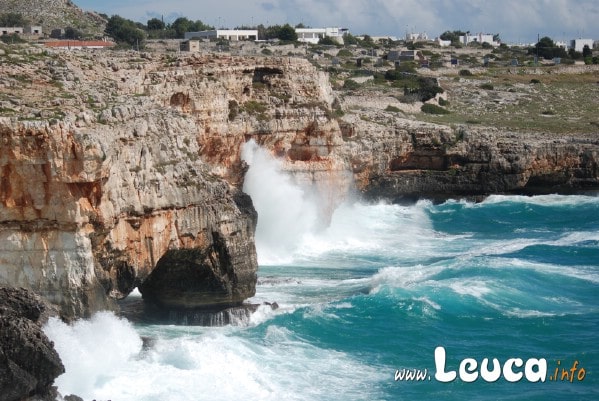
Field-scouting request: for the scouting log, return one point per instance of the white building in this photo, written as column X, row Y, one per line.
column 34, row 30
column 313, row 35
column 11, row 30
column 228, row 34
column 416, row 37
column 478, row 38
column 443, row 43
column 578, row 44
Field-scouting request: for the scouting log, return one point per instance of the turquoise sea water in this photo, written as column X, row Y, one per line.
column 374, row 293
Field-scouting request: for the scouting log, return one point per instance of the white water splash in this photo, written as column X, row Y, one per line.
column 285, row 212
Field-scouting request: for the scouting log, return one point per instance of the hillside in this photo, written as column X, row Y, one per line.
column 54, row 14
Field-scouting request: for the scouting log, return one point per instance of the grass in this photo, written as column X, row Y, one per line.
column 564, row 104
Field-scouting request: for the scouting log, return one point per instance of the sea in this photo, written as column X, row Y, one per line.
column 491, row 300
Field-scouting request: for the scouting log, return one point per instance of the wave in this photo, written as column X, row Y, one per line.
column 104, row 359
column 538, row 200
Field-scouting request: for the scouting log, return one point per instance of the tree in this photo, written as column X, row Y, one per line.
column 452, row 36
column 586, row 51
column 72, row 33
column 287, row 33
column 574, row 55
column 350, row 39
column 200, row 26
column 155, row 24
column 124, row 30
column 327, row 41
column 547, row 49
column 181, row 25
column 12, row 20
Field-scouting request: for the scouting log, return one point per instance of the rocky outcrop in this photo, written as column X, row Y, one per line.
column 127, row 171
column 87, row 213
column 410, row 160
column 28, row 361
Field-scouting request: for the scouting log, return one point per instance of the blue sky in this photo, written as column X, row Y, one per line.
column 517, row 21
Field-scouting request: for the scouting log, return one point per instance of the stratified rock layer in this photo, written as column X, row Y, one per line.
column 126, row 172
column 87, row 213
column 28, row 361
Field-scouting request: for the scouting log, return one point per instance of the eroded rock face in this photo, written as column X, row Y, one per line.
column 415, row 160
column 141, row 169
column 86, row 213
column 28, row 361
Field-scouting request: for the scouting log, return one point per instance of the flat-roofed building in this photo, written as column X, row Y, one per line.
column 34, row 30
column 228, row 34
column 6, row 30
column 313, row 35
column 578, row 44
column 191, row 45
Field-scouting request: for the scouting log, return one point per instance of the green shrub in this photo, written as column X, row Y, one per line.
column 443, row 102
column 465, row 73
column 487, row 86
column 350, row 84
column 392, row 109
column 433, row 109
column 535, row 81
column 344, row 53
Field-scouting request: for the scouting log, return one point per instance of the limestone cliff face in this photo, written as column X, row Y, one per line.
column 126, row 171
column 411, row 160
column 87, row 213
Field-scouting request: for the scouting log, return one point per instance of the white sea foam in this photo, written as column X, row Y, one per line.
column 543, row 200
column 288, row 231
column 103, row 361
column 92, row 351
column 403, row 277
column 285, row 213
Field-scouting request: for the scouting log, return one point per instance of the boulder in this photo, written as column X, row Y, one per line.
column 28, row 361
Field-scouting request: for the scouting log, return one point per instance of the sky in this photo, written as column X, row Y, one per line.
column 516, row 21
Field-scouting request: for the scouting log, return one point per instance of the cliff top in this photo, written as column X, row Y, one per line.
column 555, row 100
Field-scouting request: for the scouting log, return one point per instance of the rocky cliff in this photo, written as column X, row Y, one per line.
column 120, row 170
column 28, row 361
column 92, row 204
column 407, row 160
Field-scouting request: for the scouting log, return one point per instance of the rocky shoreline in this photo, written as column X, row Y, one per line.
column 28, row 361
column 123, row 170
column 126, row 171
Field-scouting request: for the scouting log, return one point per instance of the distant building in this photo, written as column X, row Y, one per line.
column 416, row 37
column 34, row 30
column 443, row 43
column 191, row 45
column 578, row 44
column 478, row 38
column 78, row 44
column 228, row 34
column 402, row 55
column 560, row 43
column 313, row 35
column 11, row 30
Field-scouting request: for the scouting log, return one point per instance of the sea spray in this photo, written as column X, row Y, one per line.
column 92, row 351
column 285, row 214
